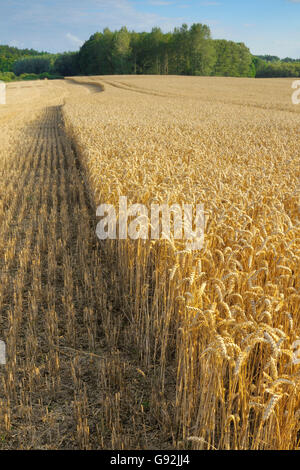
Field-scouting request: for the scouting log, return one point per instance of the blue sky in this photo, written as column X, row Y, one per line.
column 265, row 26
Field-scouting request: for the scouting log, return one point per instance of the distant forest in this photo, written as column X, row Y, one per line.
column 184, row 51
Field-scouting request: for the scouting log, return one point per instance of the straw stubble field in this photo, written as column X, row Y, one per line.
column 143, row 344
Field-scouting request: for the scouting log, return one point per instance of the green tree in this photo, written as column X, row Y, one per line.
column 233, row 59
column 35, row 65
column 121, row 52
column 201, row 50
column 67, row 64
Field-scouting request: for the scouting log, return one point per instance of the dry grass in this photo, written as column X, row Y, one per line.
column 141, row 344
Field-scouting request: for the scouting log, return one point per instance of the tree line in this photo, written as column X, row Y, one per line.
column 9, row 55
column 272, row 67
column 184, row 51
column 28, row 64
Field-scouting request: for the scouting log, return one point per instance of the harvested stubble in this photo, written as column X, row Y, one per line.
column 177, row 349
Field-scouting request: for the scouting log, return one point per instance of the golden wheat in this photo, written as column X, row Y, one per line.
column 144, row 343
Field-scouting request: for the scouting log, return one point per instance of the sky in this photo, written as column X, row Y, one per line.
column 265, row 26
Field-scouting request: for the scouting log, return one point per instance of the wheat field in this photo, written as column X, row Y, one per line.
column 143, row 344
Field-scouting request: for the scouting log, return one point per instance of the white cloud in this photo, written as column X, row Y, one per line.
column 74, row 39
column 94, row 14
column 160, row 3
column 210, row 4
column 15, row 43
